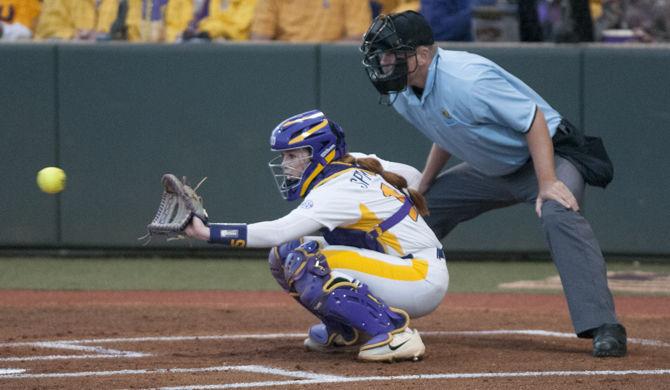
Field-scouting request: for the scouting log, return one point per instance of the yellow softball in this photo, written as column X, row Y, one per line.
column 51, row 180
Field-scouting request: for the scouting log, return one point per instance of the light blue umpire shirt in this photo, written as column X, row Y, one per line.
column 477, row 111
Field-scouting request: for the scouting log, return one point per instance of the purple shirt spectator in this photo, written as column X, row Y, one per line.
column 451, row 20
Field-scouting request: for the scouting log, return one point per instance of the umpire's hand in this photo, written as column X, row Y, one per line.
column 555, row 190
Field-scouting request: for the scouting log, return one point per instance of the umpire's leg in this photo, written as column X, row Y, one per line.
column 461, row 193
column 577, row 257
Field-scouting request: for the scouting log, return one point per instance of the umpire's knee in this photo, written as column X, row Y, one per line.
column 553, row 214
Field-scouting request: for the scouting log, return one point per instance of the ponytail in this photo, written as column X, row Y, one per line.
column 373, row 165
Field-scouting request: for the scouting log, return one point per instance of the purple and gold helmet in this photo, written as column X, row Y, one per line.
column 323, row 139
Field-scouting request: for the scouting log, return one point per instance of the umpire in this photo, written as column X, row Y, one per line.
column 515, row 148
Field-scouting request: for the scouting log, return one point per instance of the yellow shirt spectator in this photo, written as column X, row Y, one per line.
column 84, row 19
column 229, row 19
column 311, row 20
column 151, row 20
column 397, row 6
column 226, row 19
column 24, row 12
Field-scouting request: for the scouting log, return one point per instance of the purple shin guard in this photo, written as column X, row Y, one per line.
column 276, row 259
column 338, row 301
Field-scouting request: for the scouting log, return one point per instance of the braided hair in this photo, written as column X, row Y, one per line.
column 373, row 165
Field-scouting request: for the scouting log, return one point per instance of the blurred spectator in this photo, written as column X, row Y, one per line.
column 189, row 20
column 582, row 23
column 451, row 20
column 182, row 15
column 88, row 20
column 310, row 20
column 151, row 21
column 530, row 29
column 596, row 7
column 18, row 19
column 387, row 7
column 495, row 21
column 376, row 8
column 558, row 20
column 648, row 20
column 550, row 18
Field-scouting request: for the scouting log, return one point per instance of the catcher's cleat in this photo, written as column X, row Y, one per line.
column 609, row 340
column 406, row 345
column 319, row 340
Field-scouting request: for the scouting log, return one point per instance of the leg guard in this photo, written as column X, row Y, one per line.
column 338, row 299
column 276, row 259
column 328, row 332
column 332, row 338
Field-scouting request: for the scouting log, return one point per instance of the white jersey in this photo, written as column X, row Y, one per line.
column 357, row 199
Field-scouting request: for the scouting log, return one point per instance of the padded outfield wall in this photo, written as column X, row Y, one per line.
column 117, row 116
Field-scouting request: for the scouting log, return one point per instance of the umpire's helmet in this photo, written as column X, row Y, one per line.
column 398, row 35
column 312, row 130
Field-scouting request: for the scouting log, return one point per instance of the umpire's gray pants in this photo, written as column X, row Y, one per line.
column 461, row 193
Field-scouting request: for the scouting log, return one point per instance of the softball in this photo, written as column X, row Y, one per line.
column 51, row 180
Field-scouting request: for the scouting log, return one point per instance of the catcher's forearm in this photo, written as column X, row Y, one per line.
column 262, row 234
column 272, row 233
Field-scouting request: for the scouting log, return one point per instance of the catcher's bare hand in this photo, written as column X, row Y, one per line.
column 558, row 191
column 197, row 229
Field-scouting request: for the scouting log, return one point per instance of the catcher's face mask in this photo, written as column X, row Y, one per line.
column 385, row 57
column 288, row 168
column 307, row 142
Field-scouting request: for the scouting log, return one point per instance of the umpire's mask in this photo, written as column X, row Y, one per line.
column 388, row 45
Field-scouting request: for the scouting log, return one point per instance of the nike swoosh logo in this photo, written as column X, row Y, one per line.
column 398, row 346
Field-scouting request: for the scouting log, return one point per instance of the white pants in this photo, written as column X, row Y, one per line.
column 416, row 285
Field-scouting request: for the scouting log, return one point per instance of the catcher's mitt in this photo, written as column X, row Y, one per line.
column 179, row 204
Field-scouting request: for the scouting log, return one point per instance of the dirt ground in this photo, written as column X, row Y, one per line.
column 148, row 339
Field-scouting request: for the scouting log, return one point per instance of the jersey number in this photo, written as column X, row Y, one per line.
column 390, row 191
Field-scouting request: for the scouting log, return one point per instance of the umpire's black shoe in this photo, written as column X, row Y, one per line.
column 609, row 340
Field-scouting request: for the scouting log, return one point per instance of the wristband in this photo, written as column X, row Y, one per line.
column 228, row 234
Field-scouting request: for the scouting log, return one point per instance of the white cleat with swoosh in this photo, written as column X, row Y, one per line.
column 406, row 345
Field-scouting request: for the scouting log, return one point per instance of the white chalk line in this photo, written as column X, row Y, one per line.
column 101, row 353
column 307, row 377
column 162, row 338
column 5, row 371
column 529, row 374
column 541, row 333
column 74, row 345
column 70, row 357
column 246, row 368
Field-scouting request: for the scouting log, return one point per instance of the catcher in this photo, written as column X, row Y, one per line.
column 377, row 263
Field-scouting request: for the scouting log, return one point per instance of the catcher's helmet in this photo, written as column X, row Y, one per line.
column 398, row 35
column 311, row 130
